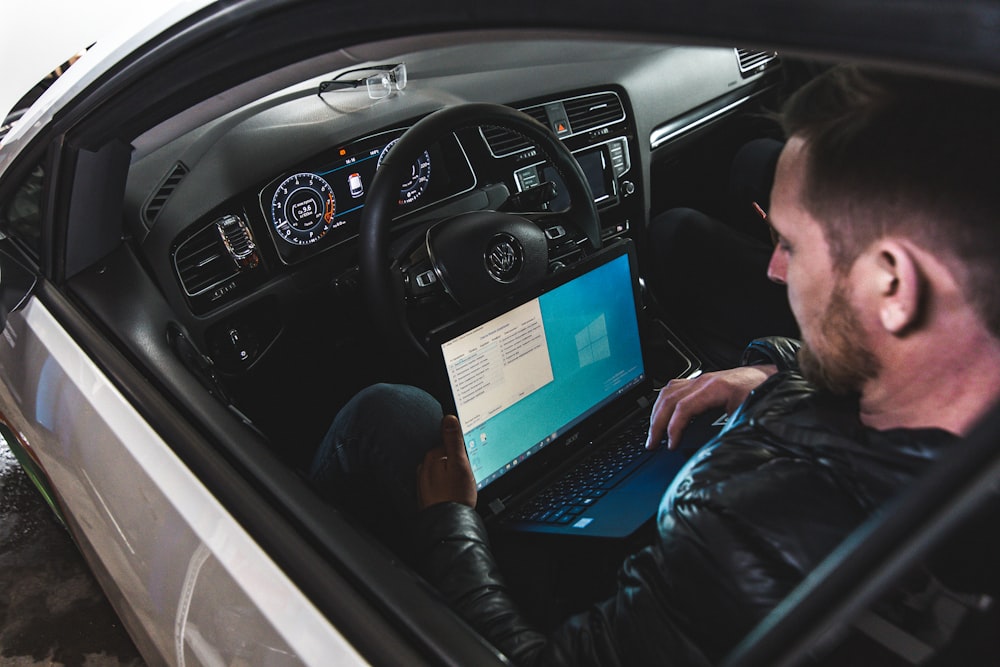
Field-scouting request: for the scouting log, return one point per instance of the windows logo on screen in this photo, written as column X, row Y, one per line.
column 592, row 342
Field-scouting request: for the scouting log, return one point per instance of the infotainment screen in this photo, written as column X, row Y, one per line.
column 595, row 167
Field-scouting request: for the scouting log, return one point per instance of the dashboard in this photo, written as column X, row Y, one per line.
column 315, row 206
column 250, row 221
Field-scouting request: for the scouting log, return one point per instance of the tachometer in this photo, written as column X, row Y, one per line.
column 302, row 209
column 420, row 175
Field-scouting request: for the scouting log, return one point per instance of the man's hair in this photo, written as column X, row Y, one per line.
column 890, row 154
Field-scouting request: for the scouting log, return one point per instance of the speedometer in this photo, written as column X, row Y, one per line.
column 302, row 209
column 419, row 178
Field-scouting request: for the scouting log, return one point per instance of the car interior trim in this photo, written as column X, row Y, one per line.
column 672, row 130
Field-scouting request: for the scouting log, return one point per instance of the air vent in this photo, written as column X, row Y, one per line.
column 202, row 261
column 593, row 111
column 752, row 62
column 580, row 114
column 159, row 198
column 507, row 142
column 238, row 239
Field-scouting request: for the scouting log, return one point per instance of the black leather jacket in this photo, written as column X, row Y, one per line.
column 743, row 523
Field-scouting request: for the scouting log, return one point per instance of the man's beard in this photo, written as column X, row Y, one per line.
column 843, row 361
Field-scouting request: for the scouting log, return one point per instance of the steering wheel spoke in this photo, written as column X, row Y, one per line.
column 473, row 257
column 419, row 278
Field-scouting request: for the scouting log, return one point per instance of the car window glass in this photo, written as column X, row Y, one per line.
column 21, row 216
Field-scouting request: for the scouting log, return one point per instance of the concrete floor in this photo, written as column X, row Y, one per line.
column 52, row 611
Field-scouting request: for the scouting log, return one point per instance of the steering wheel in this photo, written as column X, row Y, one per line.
column 472, row 257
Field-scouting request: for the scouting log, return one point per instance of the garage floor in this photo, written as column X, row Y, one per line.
column 52, row 612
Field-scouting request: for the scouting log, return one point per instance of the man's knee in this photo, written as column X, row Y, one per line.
column 394, row 419
column 376, row 400
column 377, row 438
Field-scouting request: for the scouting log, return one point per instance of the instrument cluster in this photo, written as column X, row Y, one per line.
column 318, row 205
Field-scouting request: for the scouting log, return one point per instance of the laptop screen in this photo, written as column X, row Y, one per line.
column 522, row 379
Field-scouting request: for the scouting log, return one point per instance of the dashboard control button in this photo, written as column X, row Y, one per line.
column 555, row 232
column 426, row 279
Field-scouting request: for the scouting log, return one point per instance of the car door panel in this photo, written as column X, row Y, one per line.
column 176, row 558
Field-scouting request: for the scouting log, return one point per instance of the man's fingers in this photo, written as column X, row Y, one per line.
column 446, row 475
column 683, row 400
column 663, row 410
column 680, row 402
column 675, row 428
column 451, row 434
column 433, row 455
column 657, row 425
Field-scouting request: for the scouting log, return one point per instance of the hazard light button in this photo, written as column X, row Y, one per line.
column 560, row 126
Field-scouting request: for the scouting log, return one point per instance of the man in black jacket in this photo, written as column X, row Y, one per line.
column 888, row 240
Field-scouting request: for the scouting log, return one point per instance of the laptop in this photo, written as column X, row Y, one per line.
column 554, row 399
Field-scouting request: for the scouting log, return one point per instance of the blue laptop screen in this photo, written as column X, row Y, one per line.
column 526, row 377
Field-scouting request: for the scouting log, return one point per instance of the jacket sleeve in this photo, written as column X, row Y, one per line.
column 631, row 627
column 453, row 553
column 777, row 350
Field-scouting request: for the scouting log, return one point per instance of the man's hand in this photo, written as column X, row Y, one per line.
column 445, row 475
column 682, row 400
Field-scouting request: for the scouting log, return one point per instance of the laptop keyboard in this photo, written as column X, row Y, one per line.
column 570, row 495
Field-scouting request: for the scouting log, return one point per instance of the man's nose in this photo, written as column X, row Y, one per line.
column 777, row 268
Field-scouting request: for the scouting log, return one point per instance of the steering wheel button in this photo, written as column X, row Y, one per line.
column 555, row 232
column 426, row 279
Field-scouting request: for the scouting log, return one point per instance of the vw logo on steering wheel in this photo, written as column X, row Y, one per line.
column 504, row 258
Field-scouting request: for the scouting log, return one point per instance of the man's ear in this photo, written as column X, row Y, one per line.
column 900, row 287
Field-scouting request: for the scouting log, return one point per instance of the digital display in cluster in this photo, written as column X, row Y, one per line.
column 320, row 206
